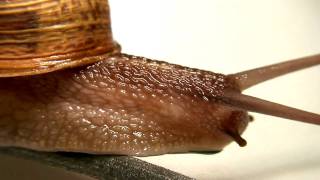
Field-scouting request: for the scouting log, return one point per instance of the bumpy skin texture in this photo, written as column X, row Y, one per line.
column 121, row 105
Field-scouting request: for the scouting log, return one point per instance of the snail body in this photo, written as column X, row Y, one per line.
column 122, row 105
column 75, row 91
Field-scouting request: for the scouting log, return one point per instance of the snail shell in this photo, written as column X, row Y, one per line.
column 41, row 36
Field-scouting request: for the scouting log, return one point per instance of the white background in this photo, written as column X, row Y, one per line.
column 229, row 36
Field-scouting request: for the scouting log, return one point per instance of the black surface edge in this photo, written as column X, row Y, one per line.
column 98, row 166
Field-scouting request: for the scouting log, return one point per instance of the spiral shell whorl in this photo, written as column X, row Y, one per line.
column 38, row 36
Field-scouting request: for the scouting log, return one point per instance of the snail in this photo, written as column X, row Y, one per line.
column 66, row 86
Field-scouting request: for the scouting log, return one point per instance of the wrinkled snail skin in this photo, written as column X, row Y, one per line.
column 121, row 105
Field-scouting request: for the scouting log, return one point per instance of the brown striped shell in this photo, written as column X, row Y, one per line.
column 39, row 36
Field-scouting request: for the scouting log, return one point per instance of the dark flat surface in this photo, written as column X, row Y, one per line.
column 97, row 166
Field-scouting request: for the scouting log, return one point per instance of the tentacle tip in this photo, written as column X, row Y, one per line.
column 251, row 118
column 237, row 138
column 241, row 142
